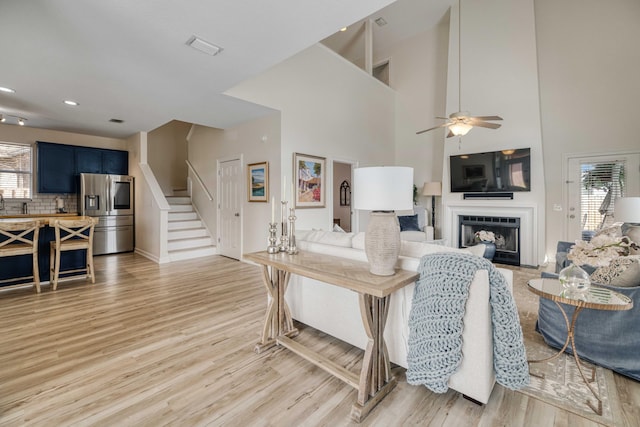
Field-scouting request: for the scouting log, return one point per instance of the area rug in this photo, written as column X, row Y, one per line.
column 562, row 385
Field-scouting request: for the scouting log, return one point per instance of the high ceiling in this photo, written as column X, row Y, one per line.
column 128, row 60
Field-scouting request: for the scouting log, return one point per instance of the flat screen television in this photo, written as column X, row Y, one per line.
column 491, row 172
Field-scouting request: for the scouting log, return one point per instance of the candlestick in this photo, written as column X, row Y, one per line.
column 292, row 249
column 284, row 235
column 273, row 248
column 293, row 195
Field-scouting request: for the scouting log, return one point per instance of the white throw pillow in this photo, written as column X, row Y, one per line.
column 330, row 238
column 358, row 241
column 623, row 271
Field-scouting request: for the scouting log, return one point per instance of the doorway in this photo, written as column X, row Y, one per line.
column 230, row 197
column 593, row 184
column 342, row 215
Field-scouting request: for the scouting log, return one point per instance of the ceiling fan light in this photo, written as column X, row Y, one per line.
column 460, row 129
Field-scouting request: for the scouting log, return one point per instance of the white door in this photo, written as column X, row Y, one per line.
column 593, row 183
column 230, row 208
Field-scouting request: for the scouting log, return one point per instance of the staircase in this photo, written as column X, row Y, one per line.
column 187, row 236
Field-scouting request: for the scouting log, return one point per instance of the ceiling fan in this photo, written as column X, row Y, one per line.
column 461, row 122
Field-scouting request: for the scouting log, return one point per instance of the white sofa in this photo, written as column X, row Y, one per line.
column 335, row 310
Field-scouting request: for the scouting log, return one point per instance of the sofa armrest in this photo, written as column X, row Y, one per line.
column 428, row 231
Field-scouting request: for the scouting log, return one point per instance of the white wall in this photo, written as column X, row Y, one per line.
column 167, row 154
column 329, row 108
column 499, row 77
column 28, row 135
column 588, row 59
column 150, row 234
column 418, row 73
column 255, row 141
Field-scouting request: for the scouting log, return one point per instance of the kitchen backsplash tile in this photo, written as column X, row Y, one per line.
column 42, row 204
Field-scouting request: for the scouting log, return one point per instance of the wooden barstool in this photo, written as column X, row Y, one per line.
column 15, row 240
column 72, row 235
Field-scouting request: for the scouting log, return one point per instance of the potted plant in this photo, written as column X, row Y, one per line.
column 488, row 239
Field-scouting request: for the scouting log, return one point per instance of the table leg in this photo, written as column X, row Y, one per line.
column 375, row 376
column 277, row 319
column 571, row 339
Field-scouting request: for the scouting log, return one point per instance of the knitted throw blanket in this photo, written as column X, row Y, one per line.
column 435, row 323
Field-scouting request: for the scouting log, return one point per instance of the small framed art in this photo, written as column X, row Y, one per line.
column 258, row 181
column 310, row 172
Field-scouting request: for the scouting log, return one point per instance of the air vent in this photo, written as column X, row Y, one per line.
column 203, row 46
column 116, row 120
column 380, row 21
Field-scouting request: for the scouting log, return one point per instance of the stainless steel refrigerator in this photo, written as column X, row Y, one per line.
column 109, row 198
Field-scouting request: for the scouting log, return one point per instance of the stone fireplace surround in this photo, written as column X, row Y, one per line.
column 528, row 222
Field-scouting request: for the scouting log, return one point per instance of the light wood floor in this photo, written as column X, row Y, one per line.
column 173, row 344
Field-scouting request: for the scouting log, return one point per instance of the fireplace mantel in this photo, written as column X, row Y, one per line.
column 528, row 215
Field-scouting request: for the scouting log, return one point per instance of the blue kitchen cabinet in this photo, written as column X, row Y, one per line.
column 56, row 168
column 60, row 164
column 88, row 160
column 115, row 162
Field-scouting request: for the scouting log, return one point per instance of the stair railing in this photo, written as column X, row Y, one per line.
column 195, row 173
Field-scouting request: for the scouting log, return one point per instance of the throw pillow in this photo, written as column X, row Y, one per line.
column 409, row 223
column 612, row 231
column 623, row 271
column 338, row 229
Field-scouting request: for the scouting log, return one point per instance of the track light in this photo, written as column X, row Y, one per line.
column 10, row 119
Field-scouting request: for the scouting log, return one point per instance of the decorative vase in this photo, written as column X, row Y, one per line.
column 574, row 279
column 489, row 250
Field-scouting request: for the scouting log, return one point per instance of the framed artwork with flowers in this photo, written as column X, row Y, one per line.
column 310, row 174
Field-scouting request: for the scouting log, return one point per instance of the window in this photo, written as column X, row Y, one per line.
column 602, row 183
column 16, row 170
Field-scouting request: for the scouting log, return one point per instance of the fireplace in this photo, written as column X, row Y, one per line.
column 506, row 230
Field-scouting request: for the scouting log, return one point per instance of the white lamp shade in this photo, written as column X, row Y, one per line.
column 432, row 189
column 384, row 188
column 627, row 209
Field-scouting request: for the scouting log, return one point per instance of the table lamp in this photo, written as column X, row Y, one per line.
column 627, row 210
column 432, row 189
column 382, row 190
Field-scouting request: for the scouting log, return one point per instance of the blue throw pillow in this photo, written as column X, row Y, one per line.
column 409, row 223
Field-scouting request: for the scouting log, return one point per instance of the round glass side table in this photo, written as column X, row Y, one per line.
column 595, row 298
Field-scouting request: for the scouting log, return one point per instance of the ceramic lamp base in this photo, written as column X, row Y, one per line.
column 382, row 243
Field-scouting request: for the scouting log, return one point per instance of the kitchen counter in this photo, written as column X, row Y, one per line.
column 46, row 219
column 21, row 266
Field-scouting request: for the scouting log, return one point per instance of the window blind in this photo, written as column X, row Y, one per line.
column 16, row 170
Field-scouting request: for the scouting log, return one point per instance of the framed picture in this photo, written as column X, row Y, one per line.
column 258, row 181
column 473, row 172
column 310, row 184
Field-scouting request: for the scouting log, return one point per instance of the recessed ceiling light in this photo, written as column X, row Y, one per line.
column 343, row 29
column 21, row 121
column 7, row 89
column 203, row 46
column 71, row 103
